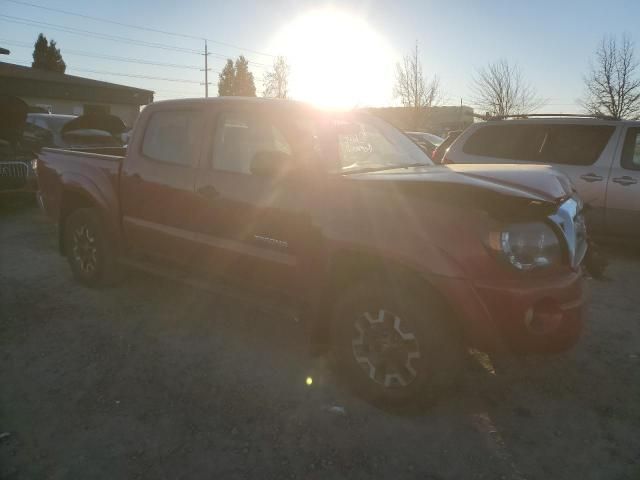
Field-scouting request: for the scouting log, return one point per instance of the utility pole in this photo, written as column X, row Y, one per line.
column 206, row 71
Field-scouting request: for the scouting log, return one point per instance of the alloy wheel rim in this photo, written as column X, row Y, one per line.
column 385, row 348
column 85, row 251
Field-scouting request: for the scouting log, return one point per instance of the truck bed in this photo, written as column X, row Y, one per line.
column 93, row 170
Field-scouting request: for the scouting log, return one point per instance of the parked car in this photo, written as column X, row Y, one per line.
column 71, row 131
column 427, row 141
column 441, row 150
column 16, row 173
column 602, row 158
column 396, row 264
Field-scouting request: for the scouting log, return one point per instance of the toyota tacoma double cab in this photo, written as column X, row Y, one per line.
column 398, row 266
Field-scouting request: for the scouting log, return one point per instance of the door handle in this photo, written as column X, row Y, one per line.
column 625, row 180
column 208, row 192
column 591, row 177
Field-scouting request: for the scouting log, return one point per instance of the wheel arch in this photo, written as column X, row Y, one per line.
column 75, row 196
column 345, row 267
column 71, row 200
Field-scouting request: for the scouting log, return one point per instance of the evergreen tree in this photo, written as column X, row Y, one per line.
column 46, row 56
column 243, row 85
column 54, row 58
column 40, row 50
column 227, row 79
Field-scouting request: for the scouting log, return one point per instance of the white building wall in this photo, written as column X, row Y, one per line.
column 128, row 113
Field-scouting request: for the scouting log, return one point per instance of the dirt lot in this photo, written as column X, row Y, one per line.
column 153, row 380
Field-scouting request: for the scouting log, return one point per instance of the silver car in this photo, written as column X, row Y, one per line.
column 602, row 158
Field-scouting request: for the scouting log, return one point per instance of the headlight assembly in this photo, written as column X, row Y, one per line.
column 527, row 246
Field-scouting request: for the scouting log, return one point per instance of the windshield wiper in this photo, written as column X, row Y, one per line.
column 386, row 167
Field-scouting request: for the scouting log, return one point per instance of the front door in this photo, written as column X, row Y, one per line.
column 252, row 227
column 157, row 185
column 623, row 191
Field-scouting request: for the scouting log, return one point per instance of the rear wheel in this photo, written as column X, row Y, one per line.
column 88, row 249
column 394, row 345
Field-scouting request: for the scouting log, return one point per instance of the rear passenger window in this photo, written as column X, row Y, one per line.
column 240, row 135
column 171, row 136
column 631, row 150
column 511, row 142
column 576, row 144
column 551, row 143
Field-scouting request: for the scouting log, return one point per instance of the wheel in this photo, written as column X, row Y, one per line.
column 394, row 345
column 88, row 249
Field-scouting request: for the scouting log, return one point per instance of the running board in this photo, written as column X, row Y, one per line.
column 258, row 301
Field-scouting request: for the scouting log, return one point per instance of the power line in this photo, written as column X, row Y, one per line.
column 131, row 75
column 106, row 57
column 104, row 36
column 128, row 25
column 115, row 38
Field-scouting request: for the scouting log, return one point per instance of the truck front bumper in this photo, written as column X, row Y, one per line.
column 531, row 316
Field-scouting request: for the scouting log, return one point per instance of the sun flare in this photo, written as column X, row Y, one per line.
column 337, row 60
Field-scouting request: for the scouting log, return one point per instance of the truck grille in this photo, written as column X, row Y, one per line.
column 13, row 175
column 569, row 218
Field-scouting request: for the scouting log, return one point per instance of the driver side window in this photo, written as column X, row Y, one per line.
column 240, row 136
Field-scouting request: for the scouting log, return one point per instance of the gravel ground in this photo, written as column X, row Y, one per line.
column 154, row 380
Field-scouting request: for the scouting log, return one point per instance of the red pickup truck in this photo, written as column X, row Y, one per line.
column 396, row 264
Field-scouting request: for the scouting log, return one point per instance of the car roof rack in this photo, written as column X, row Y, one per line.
column 537, row 115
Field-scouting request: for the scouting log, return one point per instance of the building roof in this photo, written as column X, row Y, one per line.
column 24, row 81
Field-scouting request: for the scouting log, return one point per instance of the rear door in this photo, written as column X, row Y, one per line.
column 622, row 215
column 585, row 153
column 157, row 185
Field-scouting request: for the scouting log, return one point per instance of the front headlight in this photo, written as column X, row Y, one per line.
column 34, row 165
column 526, row 246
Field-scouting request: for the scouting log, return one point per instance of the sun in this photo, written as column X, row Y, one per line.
column 336, row 60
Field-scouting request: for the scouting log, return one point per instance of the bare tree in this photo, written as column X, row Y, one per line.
column 613, row 82
column 500, row 89
column 276, row 81
column 412, row 88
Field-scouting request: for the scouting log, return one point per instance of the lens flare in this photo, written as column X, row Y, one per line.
column 337, row 59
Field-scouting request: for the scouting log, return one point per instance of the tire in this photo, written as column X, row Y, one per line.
column 394, row 345
column 89, row 251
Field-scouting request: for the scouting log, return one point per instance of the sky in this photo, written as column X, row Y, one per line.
column 353, row 44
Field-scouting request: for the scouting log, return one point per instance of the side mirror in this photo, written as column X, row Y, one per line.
column 270, row 163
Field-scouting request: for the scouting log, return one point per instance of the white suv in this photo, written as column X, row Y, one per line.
column 602, row 158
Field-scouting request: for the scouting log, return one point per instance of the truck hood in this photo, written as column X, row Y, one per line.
column 540, row 181
column 504, row 190
column 530, row 182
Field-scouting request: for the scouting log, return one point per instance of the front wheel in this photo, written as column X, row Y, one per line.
column 393, row 344
column 88, row 249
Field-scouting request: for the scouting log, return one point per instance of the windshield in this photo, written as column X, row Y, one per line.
column 426, row 137
column 50, row 122
column 436, row 140
column 368, row 143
